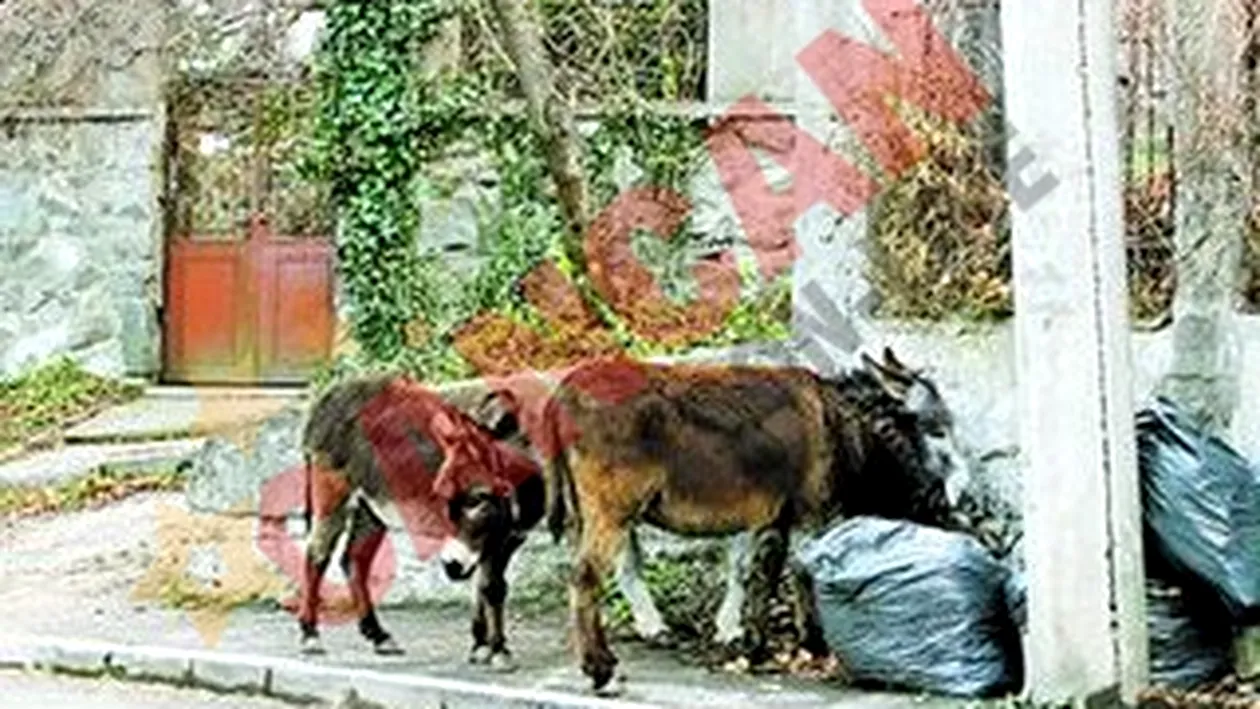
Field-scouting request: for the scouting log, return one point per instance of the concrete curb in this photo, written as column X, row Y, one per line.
column 276, row 677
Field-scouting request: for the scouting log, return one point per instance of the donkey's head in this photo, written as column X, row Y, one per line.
column 925, row 425
column 899, row 457
column 487, row 522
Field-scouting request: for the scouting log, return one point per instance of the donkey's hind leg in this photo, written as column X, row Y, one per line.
column 367, row 533
column 647, row 618
column 729, row 622
column 325, row 531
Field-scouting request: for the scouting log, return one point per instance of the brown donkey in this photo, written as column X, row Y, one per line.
column 386, row 449
column 721, row 450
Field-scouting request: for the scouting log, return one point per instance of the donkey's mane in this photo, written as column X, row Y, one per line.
column 889, row 472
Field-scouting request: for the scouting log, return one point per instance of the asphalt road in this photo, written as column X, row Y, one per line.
column 20, row 690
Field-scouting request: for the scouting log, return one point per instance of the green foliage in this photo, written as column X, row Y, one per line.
column 668, row 149
column 686, row 587
column 652, row 50
column 382, row 117
column 46, row 397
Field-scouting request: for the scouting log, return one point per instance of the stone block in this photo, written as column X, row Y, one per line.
column 220, row 477
column 232, row 673
column 139, row 335
column 104, row 359
column 224, row 474
column 70, row 655
column 299, row 680
column 51, row 268
column 152, row 663
column 91, row 321
column 77, row 204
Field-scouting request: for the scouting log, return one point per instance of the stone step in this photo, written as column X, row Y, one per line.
column 172, row 412
column 59, row 465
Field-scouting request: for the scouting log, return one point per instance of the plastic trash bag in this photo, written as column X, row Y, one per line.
column 1190, row 636
column 1190, row 642
column 1201, row 503
column 915, row 607
column 1015, row 593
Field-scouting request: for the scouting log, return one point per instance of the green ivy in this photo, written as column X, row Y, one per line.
column 381, row 118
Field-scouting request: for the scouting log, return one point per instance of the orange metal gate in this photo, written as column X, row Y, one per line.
column 249, row 267
column 257, row 310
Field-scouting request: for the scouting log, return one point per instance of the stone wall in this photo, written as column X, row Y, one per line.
column 973, row 366
column 79, row 235
column 80, row 139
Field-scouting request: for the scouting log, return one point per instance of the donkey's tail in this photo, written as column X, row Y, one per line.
column 557, row 475
column 306, row 493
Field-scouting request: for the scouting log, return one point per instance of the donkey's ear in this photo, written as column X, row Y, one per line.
column 893, row 369
column 893, row 364
column 497, row 412
column 871, row 365
column 894, row 381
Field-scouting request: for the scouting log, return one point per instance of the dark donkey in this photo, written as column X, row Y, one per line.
column 387, row 449
column 720, row 450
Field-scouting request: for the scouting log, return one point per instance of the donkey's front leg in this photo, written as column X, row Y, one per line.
column 489, row 631
column 770, row 554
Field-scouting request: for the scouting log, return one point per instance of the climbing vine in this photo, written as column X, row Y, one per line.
column 386, row 124
column 382, row 116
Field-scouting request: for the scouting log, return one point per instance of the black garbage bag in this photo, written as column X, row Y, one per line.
column 1190, row 634
column 1201, row 507
column 1190, row 637
column 914, row 607
column 1015, row 593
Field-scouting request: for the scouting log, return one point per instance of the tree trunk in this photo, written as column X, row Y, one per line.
column 1206, row 47
column 550, row 117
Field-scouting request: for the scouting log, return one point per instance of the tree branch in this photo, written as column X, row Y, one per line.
column 549, row 116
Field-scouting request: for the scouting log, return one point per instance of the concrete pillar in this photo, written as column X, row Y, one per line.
column 1087, row 627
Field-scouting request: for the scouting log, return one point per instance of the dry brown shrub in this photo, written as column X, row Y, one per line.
column 938, row 243
column 1149, row 247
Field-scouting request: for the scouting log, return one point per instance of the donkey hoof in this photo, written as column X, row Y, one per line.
column 311, row 645
column 502, row 661
column 387, row 646
column 480, row 655
column 599, row 667
column 662, row 640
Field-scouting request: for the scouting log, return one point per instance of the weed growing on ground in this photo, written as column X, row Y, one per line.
column 102, row 486
column 687, row 588
column 48, row 397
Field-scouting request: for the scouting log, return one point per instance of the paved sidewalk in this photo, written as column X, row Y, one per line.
column 72, row 577
column 37, row 690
